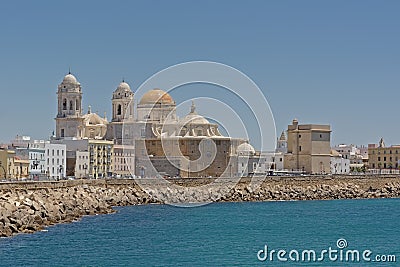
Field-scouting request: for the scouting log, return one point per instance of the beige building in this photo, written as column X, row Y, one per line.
column 7, row 167
column 382, row 157
column 11, row 166
column 308, row 148
column 21, row 167
column 100, row 158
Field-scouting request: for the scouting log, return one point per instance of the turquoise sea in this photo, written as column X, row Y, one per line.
column 219, row 234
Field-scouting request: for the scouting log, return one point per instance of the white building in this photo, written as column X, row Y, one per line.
column 278, row 161
column 21, row 141
column 34, row 152
column 124, row 160
column 82, row 164
column 251, row 162
column 55, row 157
column 244, row 151
column 37, row 159
column 339, row 164
column 357, row 156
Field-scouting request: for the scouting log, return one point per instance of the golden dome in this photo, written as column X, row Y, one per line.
column 156, row 96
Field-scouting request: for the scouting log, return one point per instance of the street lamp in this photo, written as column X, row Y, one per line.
column 60, row 172
column 85, row 166
column 20, row 170
column 9, row 170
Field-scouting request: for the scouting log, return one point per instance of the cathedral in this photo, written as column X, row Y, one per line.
column 142, row 138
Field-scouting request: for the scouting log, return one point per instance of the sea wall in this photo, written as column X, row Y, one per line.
column 30, row 206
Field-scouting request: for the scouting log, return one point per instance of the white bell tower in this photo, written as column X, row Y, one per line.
column 69, row 115
column 122, row 103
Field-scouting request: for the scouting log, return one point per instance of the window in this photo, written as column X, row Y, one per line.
column 384, row 158
column 58, row 152
column 299, row 148
column 119, row 110
column 71, row 106
column 379, row 158
column 52, row 152
column 299, row 135
column 77, row 104
column 62, row 132
column 65, row 104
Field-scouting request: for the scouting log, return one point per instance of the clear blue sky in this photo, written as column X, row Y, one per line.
column 335, row 62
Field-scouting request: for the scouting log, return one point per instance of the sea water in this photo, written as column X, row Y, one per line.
column 218, row 234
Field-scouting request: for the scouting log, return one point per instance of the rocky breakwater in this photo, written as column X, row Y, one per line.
column 316, row 189
column 25, row 210
column 275, row 189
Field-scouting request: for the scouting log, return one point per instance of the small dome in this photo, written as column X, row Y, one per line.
column 246, row 148
column 156, row 96
column 123, row 86
column 69, row 78
column 193, row 117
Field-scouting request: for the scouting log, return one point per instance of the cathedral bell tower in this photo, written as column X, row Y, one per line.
column 122, row 103
column 120, row 128
column 69, row 115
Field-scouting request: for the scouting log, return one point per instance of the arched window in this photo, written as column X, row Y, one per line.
column 77, row 104
column 65, row 104
column 119, row 110
column 71, row 107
